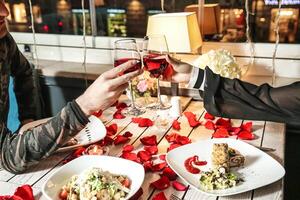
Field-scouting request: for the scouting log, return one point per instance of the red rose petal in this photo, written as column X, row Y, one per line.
column 179, row 186
column 144, row 156
column 121, row 106
column 176, row 124
column 148, row 166
column 223, row 123
column 127, row 134
column 112, row 129
column 162, row 157
column 246, row 135
column 209, row 116
column 98, row 114
column 168, row 172
column 130, row 156
column 120, row 139
column 149, row 140
column 106, row 141
column 151, row 149
column 143, row 122
column 221, row 133
column 234, row 130
column 161, row 184
column 209, row 125
column 160, row 196
column 128, row 148
column 182, row 140
column 118, row 115
column 24, row 192
column 173, row 146
column 191, row 117
column 158, row 167
column 114, row 104
column 247, row 127
column 78, row 152
column 171, row 137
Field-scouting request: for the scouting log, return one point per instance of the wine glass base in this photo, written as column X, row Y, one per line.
column 158, row 106
column 133, row 111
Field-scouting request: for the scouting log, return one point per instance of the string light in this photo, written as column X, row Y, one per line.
column 249, row 39
column 36, row 60
column 84, row 43
column 276, row 42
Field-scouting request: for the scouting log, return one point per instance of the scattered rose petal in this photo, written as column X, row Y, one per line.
column 171, row 137
column 168, row 172
column 127, row 134
column 162, row 157
column 160, row 196
column 176, row 124
column 246, row 135
column 191, row 117
column 78, row 152
column 130, row 156
column 148, row 166
column 161, row 184
column 173, row 146
column 98, row 114
column 149, row 140
column 120, row 139
column 24, row 192
column 209, row 125
column 223, row 123
column 128, row 148
column 112, row 129
column 151, row 149
column 144, row 156
column 106, row 141
column 118, row 115
column 143, row 122
column 121, row 106
column 179, row 186
column 247, row 127
column 158, row 167
column 168, row 72
column 234, row 130
column 178, row 139
column 221, row 133
column 209, row 116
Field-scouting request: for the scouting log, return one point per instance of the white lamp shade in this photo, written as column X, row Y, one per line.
column 180, row 29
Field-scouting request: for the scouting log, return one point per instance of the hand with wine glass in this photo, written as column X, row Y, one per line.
column 126, row 50
column 155, row 50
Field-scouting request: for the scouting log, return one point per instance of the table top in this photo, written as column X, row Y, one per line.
column 269, row 134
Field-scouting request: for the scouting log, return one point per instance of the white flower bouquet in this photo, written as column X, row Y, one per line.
column 220, row 62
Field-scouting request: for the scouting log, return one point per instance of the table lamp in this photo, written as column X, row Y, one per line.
column 211, row 24
column 180, row 29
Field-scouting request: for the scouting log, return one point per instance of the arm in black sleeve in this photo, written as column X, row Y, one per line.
column 23, row 82
column 233, row 98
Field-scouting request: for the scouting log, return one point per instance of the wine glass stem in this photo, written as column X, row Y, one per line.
column 158, row 93
column 131, row 95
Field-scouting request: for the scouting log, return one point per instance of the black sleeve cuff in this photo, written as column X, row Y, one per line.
column 82, row 118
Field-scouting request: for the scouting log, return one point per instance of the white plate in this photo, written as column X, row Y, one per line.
column 259, row 170
column 115, row 165
column 93, row 132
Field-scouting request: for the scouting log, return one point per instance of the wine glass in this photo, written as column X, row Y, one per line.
column 155, row 49
column 126, row 50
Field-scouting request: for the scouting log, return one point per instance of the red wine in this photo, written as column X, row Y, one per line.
column 124, row 60
column 155, row 64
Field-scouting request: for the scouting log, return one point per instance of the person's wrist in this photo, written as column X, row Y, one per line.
column 84, row 105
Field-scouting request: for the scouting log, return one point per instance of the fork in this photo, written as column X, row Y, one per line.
column 174, row 197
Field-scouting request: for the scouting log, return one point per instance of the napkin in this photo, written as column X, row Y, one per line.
column 22, row 193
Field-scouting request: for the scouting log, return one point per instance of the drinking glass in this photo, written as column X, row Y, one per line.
column 126, row 50
column 155, row 50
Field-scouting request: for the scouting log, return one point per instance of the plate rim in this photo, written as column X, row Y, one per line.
column 224, row 139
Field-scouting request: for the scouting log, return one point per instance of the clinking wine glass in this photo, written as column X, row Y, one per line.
column 155, row 50
column 126, row 50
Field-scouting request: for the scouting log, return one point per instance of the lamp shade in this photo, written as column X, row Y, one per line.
column 180, row 29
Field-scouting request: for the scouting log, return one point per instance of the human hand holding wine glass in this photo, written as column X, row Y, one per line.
column 124, row 51
column 155, row 49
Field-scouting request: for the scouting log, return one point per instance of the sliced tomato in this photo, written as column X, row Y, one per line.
column 126, row 183
column 63, row 194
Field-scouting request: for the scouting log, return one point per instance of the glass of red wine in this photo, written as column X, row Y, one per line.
column 126, row 50
column 155, row 50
